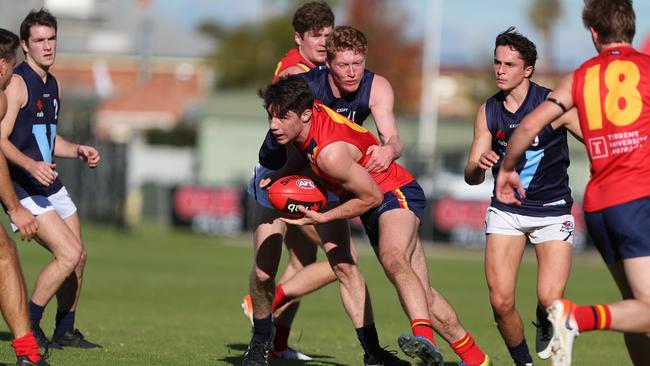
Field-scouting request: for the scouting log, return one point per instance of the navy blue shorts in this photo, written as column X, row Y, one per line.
column 409, row 196
column 621, row 231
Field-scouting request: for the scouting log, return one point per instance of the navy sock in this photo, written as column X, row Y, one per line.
column 368, row 338
column 64, row 322
column 35, row 314
column 520, row 353
column 263, row 328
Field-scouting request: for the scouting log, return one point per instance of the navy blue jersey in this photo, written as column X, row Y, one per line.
column 355, row 106
column 543, row 168
column 34, row 132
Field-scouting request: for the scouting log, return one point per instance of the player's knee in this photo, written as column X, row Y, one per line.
column 69, row 258
column 394, row 264
column 345, row 271
column 83, row 257
column 502, row 305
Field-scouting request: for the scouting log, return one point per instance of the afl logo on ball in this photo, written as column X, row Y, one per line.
column 305, row 184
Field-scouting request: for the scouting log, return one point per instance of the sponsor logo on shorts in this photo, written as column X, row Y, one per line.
column 567, row 227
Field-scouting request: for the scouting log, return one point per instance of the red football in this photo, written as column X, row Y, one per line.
column 288, row 192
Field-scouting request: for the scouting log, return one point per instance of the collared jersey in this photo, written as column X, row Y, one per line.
column 34, row 132
column 272, row 155
column 355, row 106
column 328, row 127
column 543, row 168
column 612, row 94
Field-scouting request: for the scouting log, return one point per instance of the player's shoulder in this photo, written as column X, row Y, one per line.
column 17, row 88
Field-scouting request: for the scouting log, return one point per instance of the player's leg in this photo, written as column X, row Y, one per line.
column 553, row 268
column 13, row 301
column 638, row 344
column 503, row 255
column 302, row 243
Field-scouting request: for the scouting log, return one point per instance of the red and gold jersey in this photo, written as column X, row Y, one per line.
column 612, row 94
column 328, row 127
column 292, row 58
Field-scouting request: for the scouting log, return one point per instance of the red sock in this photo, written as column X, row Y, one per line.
column 280, row 298
column 596, row 317
column 423, row 328
column 27, row 346
column 468, row 351
column 281, row 339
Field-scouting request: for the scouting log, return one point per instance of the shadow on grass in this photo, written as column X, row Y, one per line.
column 236, row 355
column 7, row 337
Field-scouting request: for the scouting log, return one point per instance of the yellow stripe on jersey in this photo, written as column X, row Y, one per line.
column 303, row 66
column 338, row 118
column 401, row 198
column 277, row 68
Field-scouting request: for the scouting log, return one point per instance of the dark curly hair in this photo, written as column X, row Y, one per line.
column 313, row 16
column 287, row 94
column 37, row 17
column 516, row 41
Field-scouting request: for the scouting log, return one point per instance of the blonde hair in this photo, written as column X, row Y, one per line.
column 346, row 38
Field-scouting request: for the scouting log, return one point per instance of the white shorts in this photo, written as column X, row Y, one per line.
column 537, row 229
column 262, row 196
column 59, row 201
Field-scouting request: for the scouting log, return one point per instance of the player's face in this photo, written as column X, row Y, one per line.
column 6, row 70
column 41, row 45
column 287, row 128
column 312, row 45
column 346, row 69
column 509, row 69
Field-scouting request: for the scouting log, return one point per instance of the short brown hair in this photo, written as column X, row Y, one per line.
column 8, row 44
column 40, row 17
column 346, row 38
column 313, row 16
column 613, row 20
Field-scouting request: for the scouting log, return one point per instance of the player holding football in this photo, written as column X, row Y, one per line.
column 544, row 216
column 390, row 204
column 612, row 94
column 312, row 23
column 29, row 141
column 13, row 297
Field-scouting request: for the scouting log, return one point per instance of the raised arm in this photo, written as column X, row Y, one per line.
column 530, row 126
column 481, row 157
column 382, row 100
column 339, row 162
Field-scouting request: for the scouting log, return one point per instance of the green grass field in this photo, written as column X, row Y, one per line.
column 156, row 297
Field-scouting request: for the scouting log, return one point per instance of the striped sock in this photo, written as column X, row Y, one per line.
column 468, row 351
column 595, row 317
column 423, row 328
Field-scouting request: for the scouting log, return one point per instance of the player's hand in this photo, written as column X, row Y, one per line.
column 487, row 160
column 89, row 155
column 43, row 172
column 380, row 159
column 507, row 182
column 25, row 221
column 266, row 182
column 311, row 217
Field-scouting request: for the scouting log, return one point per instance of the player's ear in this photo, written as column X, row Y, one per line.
column 528, row 71
column 23, row 45
column 297, row 38
column 305, row 116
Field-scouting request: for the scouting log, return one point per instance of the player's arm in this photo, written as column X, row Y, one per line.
column 547, row 112
column 17, row 98
column 339, row 162
column 67, row 149
column 382, row 100
column 481, row 157
column 571, row 121
column 20, row 216
column 291, row 70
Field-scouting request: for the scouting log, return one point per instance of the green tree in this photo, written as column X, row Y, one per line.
column 543, row 14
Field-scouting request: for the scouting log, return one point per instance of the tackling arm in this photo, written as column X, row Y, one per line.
column 382, row 100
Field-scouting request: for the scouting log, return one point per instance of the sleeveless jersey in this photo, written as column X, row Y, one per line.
column 34, row 132
column 612, row 94
column 327, row 127
column 543, row 169
column 354, row 106
column 272, row 155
